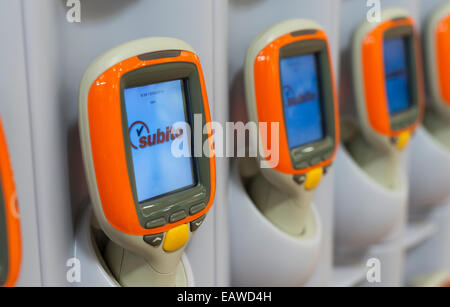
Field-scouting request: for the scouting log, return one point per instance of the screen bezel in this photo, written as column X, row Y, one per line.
column 313, row 153
column 4, row 245
column 188, row 119
column 408, row 117
column 163, row 206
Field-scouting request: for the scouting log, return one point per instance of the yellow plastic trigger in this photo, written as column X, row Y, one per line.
column 313, row 178
column 403, row 140
column 176, row 238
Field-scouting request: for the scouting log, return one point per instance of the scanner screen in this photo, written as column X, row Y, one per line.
column 302, row 100
column 396, row 75
column 160, row 149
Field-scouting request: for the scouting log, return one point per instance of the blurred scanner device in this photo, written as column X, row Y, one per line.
column 388, row 94
column 387, row 80
column 436, row 44
column 289, row 82
column 10, row 237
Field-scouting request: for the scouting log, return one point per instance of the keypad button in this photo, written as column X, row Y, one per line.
column 177, row 216
column 200, row 195
column 327, row 168
column 328, row 155
column 154, row 240
column 300, row 179
column 315, row 161
column 302, row 165
column 149, row 210
column 167, row 209
column 195, row 224
column 298, row 154
column 197, row 208
column 156, row 223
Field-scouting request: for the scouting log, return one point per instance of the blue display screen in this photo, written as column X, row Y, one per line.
column 396, row 75
column 302, row 101
column 152, row 111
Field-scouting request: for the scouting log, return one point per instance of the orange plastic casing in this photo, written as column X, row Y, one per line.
column 374, row 79
column 442, row 57
column 11, row 213
column 108, row 148
column 269, row 102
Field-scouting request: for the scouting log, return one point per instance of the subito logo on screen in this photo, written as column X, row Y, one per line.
column 141, row 136
column 293, row 100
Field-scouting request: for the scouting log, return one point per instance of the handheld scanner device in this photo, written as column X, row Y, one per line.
column 10, row 239
column 132, row 100
column 387, row 80
column 289, row 81
column 437, row 47
column 437, row 50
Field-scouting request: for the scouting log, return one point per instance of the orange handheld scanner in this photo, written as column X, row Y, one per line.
column 290, row 88
column 289, row 80
column 437, row 49
column 10, row 239
column 387, row 79
column 149, row 192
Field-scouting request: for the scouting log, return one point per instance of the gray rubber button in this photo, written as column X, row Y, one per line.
column 327, row 168
column 195, row 224
column 302, row 165
column 300, row 179
column 328, row 155
column 154, row 240
column 156, row 223
column 197, row 208
column 150, row 210
column 179, row 215
column 200, row 195
column 297, row 153
column 315, row 161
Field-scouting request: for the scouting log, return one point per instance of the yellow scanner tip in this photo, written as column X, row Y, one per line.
column 403, row 140
column 313, row 178
column 176, row 238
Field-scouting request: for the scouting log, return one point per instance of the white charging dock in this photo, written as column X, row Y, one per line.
column 88, row 246
column 366, row 212
column 429, row 171
column 261, row 254
column 428, row 239
column 369, row 224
